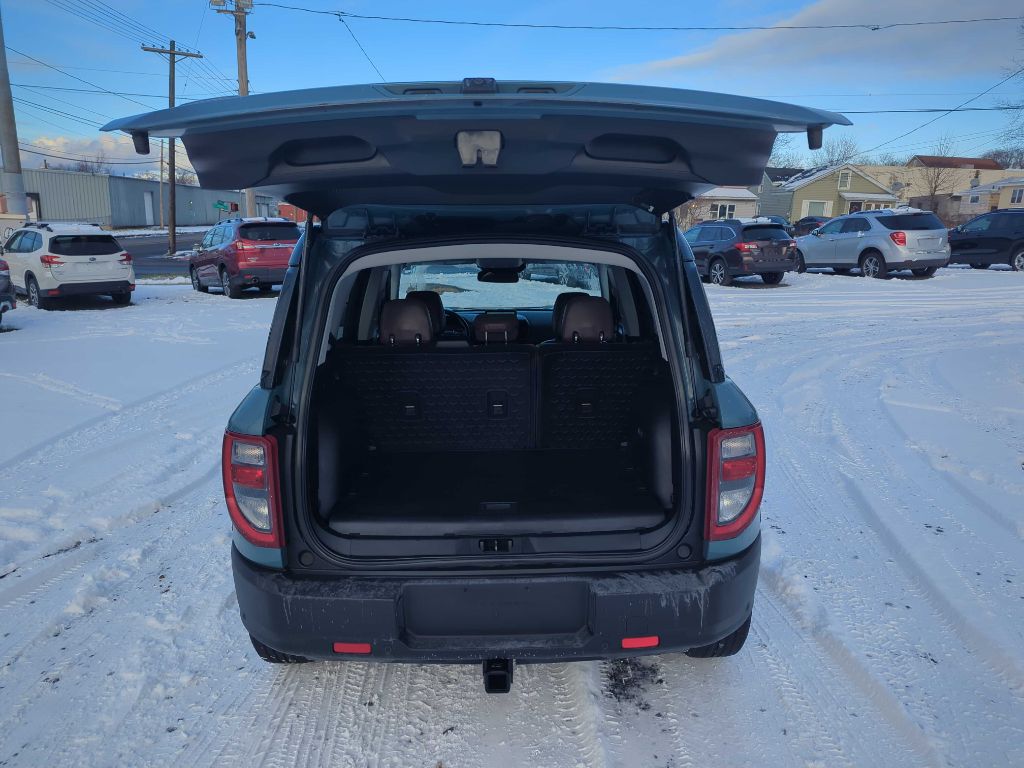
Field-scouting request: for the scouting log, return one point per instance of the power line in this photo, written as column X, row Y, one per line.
column 375, row 69
column 33, row 86
column 104, row 161
column 87, row 69
column 946, row 110
column 957, row 108
column 79, row 79
column 873, row 27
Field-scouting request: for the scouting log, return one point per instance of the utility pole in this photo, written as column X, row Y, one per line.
column 172, row 55
column 160, row 185
column 241, row 9
column 11, row 183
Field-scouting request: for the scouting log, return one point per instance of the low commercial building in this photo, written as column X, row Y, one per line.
column 123, row 201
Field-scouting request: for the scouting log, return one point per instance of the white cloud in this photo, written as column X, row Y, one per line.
column 950, row 50
column 112, row 147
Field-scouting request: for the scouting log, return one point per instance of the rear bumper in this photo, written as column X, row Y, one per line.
column 468, row 619
column 922, row 263
column 82, row 289
column 760, row 267
column 259, row 276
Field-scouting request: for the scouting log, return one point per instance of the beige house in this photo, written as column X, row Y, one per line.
column 827, row 191
column 718, row 203
column 967, row 203
column 908, row 182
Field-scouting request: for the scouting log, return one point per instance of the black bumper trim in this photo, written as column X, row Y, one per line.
column 259, row 276
column 83, row 289
column 468, row 619
column 917, row 264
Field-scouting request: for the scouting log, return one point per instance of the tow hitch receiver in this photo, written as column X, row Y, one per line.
column 498, row 675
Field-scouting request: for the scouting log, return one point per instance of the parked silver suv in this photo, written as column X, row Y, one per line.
column 877, row 243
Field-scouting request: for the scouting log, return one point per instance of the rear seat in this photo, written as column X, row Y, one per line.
column 410, row 395
column 591, row 385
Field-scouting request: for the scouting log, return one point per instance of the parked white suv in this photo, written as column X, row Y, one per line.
column 53, row 260
column 877, row 243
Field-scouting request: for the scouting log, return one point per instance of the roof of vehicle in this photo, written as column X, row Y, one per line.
column 480, row 142
column 66, row 227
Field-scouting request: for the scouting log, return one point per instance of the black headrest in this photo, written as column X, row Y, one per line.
column 496, row 327
column 586, row 319
column 405, row 322
column 558, row 311
column 434, row 306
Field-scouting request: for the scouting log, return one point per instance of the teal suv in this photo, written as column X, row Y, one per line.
column 450, row 456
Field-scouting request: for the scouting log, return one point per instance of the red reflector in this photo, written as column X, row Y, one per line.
column 737, row 469
column 53, row 292
column 246, row 475
column 651, row 641
column 351, row 647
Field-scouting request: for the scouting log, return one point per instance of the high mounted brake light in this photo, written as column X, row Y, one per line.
column 251, row 488
column 736, row 469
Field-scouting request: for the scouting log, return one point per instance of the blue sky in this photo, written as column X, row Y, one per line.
column 845, row 70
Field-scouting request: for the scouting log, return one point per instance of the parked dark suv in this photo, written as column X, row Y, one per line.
column 7, row 298
column 992, row 238
column 807, row 224
column 243, row 253
column 495, row 468
column 731, row 248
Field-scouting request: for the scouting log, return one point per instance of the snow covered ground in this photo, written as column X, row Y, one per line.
column 152, row 231
column 888, row 628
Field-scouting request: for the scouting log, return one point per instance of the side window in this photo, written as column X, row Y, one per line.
column 980, row 224
column 14, row 243
column 856, row 224
column 207, row 239
column 692, row 235
column 1009, row 222
column 32, row 241
column 832, row 228
column 218, row 236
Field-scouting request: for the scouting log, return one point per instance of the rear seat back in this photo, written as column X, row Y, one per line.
column 591, row 387
column 411, row 396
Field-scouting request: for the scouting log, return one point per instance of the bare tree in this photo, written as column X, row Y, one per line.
column 149, row 175
column 784, row 153
column 1015, row 104
column 939, row 179
column 1009, row 156
column 184, row 176
column 98, row 164
column 890, row 158
column 836, row 151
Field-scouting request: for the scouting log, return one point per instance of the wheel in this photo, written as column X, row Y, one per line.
column 872, row 264
column 924, row 271
column 124, row 298
column 801, row 265
column 231, row 291
column 979, row 266
column 772, row 278
column 1017, row 261
column 728, row 646
column 268, row 654
column 718, row 273
column 197, row 284
column 841, row 270
column 35, row 297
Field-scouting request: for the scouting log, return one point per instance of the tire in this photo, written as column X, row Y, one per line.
column 979, row 266
column 872, row 264
column 729, row 645
column 122, row 299
column 197, row 284
column 35, row 297
column 718, row 273
column 801, row 265
column 772, row 278
column 231, row 291
column 271, row 656
column 924, row 271
column 1017, row 261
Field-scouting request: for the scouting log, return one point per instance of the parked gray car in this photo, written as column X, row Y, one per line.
column 877, row 243
column 7, row 301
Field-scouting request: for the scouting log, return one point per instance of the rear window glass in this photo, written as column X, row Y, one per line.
column 84, row 245
column 269, row 232
column 537, row 288
column 911, row 221
column 766, row 232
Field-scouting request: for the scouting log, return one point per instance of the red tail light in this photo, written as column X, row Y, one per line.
column 747, row 246
column 126, row 258
column 736, row 469
column 251, row 488
column 900, row 238
column 50, row 260
column 4, row 268
column 244, row 245
column 789, row 244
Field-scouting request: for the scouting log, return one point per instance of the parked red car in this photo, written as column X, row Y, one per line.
column 243, row 253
